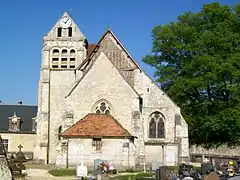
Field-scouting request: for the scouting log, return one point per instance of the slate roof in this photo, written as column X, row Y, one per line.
column 25, row 112
column 96, row 125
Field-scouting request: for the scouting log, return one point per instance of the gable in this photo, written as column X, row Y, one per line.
column 104, row 74
column 114, row 50
column 77, row 34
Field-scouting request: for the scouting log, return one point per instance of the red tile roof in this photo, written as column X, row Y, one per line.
column 96, row 125
column 90, row 49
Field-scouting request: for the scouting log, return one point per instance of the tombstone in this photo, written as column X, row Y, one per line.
column 82, row 171
column 212, row 176
column 5, row 172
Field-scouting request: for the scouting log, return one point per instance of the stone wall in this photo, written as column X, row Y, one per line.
column 223, row 150
column 14, row 139
column 112, row 151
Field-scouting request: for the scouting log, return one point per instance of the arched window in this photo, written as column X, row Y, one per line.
column 72, row 51
column 103, row 108
column 59, row 132
column 156, row 125
column 152, row 128
column 64, row 51
column 55, row 51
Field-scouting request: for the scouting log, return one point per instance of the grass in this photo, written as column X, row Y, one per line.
column 72, row 172
column 132, row 176
column 63, row 172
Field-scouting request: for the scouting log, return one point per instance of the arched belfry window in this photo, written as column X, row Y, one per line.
column 156, row 125
column 72, row 51
column 55, row 51
column 64, row 51
column 102, row 107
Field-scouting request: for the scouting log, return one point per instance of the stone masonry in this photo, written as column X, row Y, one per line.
column 68, row 93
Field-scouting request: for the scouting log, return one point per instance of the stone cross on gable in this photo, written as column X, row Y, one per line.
column 20, row 147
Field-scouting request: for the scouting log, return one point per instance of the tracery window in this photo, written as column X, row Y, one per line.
column 156, row 125
column 103, row 108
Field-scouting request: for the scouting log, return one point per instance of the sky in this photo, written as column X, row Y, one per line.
column 24, row 23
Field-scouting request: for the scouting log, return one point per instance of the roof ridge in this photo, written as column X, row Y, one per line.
column 18, row 105
column 80, row 128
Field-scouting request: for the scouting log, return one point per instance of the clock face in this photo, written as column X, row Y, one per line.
column 65, row 22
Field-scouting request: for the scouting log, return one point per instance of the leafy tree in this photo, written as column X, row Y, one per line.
column 197, row 62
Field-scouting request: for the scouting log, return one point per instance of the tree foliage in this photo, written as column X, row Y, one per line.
column 197, row 62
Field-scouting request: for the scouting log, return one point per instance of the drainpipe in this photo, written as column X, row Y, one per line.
column 67, row 154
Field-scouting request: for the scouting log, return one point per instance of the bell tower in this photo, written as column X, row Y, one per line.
column 64, row 48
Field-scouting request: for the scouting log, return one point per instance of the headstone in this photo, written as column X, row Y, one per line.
column 212, row 176
column 82, row 171
column 5, row 172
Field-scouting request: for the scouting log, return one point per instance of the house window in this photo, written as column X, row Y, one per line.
column 5, row 144
column 103, row 108
column 97, row 144
column 70, row 32
column 72, row 66
column 156, row 125
column 72, row 59
column 59, row 32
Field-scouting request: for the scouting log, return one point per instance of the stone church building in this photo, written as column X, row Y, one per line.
column 95, row 102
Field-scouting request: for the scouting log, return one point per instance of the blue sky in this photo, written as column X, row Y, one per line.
column 24, row 23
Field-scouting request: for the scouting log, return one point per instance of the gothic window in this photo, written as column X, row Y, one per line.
column 156, row 125
column 103, row 108
column 152, row 128
column 160, row 128
column 97, row 144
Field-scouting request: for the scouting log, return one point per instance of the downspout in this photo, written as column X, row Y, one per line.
column 67, row 154
column 48, row 143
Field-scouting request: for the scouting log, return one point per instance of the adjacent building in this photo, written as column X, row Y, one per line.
column 18, row 127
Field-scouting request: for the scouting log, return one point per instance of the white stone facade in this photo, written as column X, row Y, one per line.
column 67, row 94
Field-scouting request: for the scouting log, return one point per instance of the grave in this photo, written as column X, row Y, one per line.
column 5, row 172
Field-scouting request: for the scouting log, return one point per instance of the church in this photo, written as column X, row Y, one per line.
column 96, row 102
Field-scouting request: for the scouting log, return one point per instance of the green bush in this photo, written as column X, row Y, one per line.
column 63, row 172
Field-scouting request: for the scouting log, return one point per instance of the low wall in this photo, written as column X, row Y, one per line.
column 222, row 152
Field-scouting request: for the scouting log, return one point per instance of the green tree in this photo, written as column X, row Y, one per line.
column 197, row 62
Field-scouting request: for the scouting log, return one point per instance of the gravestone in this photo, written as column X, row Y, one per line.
column 5, row 172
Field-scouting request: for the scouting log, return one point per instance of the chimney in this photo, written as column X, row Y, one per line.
column 20, row 102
